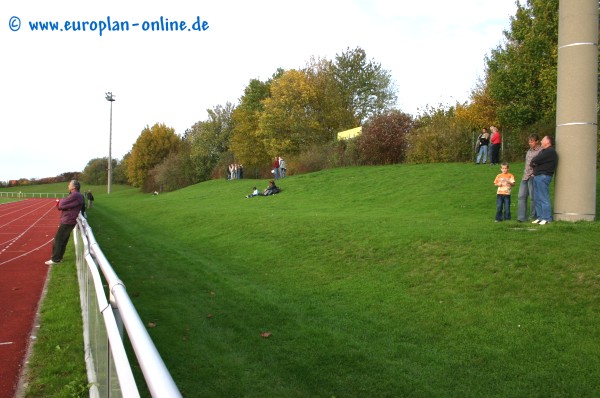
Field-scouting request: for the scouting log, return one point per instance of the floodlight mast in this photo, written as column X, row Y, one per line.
column 111, row 98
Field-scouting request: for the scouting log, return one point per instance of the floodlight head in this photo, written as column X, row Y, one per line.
column 109, row 96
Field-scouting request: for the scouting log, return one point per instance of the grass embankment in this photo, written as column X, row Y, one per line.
column 56, row 367
column 372, row 281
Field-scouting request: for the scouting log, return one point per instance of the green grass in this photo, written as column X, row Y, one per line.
column 374, row 281
column 383, row 281
column 57, row 368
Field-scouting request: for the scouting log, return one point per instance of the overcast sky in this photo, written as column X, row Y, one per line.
column 55, row 115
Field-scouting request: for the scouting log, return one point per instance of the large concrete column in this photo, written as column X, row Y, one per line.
column 576, row 117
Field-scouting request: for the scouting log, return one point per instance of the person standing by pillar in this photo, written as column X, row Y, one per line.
column 544, row 166
column 526, row 187
column 69, row 207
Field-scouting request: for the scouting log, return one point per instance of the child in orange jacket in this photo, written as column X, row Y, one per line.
column 504, row 181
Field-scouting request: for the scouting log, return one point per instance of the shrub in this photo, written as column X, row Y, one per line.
column 383, row 138
column 440, row 137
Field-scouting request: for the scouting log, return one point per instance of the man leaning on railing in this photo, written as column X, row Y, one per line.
column 70, row 208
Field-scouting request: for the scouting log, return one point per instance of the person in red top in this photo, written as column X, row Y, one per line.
column 496, row 141
column 276, row 167
column 69, row 207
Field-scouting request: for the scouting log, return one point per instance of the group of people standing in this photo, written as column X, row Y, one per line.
column 488, row 143
column 541, row 160
column 235, row 171
column 279, row 169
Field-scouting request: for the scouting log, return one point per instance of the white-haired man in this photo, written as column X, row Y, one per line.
column 69, row 207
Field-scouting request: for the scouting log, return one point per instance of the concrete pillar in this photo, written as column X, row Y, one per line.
column 576, row 111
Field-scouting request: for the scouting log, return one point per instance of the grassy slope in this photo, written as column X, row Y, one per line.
column 380, row 281
column 374, row 281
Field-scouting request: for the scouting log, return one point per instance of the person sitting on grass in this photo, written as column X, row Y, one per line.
column 271, row 189
column 254, row 193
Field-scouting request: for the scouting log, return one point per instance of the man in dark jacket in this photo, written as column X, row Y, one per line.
column 544, row 166
column 70, row 207
column 90, row 199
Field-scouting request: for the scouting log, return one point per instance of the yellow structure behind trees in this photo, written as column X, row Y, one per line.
column 347, row 134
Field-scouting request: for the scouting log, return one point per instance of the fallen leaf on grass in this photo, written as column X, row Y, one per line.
column 265, row 335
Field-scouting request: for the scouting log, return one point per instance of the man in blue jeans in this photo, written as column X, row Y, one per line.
column 544, row 166
column 526, row 192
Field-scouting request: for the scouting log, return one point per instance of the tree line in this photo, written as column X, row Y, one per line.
column 297, row 113
column 63, row 177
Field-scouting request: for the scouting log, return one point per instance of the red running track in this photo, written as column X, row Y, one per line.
column 26, row 232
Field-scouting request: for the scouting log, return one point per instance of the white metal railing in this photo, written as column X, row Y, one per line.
column 108, row 368
column 7, row 194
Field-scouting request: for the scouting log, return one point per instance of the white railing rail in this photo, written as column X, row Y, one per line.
column 112, row 311
column 24, row 195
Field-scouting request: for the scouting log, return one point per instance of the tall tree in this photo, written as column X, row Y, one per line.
column 480, row 112
column 521, row 74
column 246, row 144
column 119, row 172
column 367, row 88
column 210, row 138
column 290, row 120
column 174, row 172
column 331, row 110
column 152, row 146
column 95, row 172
